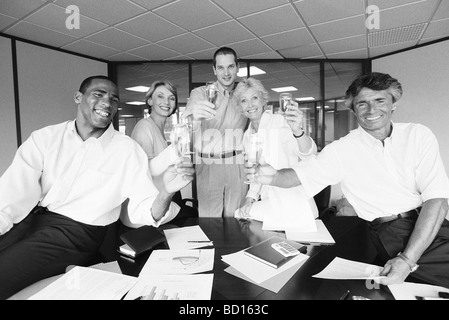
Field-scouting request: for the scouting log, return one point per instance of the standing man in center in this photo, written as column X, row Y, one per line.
column 218, row 132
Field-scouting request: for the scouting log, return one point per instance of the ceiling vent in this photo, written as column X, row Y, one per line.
column 397, row 35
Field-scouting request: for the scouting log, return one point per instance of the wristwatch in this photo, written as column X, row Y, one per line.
column 413, row 266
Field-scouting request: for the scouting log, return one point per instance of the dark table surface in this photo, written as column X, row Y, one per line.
column 230, row 235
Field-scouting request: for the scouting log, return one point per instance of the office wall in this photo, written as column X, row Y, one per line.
column 424, row 75
column 8, row 140
column 48, row 80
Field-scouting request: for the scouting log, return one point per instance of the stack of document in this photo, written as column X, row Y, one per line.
column 246, row 267
column 174, row 274
column 321, row 236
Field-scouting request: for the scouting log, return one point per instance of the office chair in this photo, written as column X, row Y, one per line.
column 322, row 200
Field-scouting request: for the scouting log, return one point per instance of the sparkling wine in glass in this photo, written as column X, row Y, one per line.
column 253, row 150
column 211, row 91
column 285, row 100
column 180, row 138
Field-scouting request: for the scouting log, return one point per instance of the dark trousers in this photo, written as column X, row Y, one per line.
column 390, row 238
column 43, row 245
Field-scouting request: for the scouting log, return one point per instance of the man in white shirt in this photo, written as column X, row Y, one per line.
column 393, row 176
column 76, row 175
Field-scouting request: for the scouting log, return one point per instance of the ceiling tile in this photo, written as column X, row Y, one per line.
column 406, row 15
column 272, row 21
column 239, row 8
column 301, row 52
column 152, row 4
column 339, row 29
column 6, row 21
column 90, row 48
column 19, row 8
column 225, row 33
column 115, row 38
column 438, row 28
column 385, row 4
column 115, row 11
column 154, row 52
column 54, row 17
column 342, row 45
column 151, row 27
column 39, row 34
column 288, row 39
column 186, row 43
column 442, row 11
column 192, row 14
column 319, row 11
column 254, row 46
column 204, row 54
column 265, row 55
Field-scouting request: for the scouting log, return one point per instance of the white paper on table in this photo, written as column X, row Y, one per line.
column 288, row 208
column 172, row 287
column 82, row 283
column 342, row 269
column 178, row 238
column 275, row 283
column 179, row 261
column 258, row 271
column 321, row 236
column 410, row 290
column 112, row 266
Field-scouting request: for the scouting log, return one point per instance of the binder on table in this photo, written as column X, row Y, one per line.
column 264, row 252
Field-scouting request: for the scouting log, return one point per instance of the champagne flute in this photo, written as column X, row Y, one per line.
column 180, row 138
column 285, row 99
column 211, row 91
column 253, row 151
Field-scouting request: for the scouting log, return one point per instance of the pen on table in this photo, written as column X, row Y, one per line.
column 345, row 296
column 199, row 241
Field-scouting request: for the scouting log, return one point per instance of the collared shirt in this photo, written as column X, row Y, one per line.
column 86, row 181
column 380, row 179
column 224, row 132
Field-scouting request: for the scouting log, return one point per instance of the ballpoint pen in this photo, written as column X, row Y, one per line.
column 345, row 296
column 199, row 241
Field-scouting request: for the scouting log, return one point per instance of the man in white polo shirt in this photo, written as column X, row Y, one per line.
column 393, row 176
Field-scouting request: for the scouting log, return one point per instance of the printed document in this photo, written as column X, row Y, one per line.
column 179, row 261
column 187, row 238
column 320, row 236
column 342, row 269
column 411, row 291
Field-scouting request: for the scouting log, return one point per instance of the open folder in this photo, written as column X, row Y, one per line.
column 321, row 236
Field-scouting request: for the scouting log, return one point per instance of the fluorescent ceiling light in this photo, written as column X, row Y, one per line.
column 253, row 71
column 305, row 99
column 127, row 116
column 138, row 88
column 135, row 103
column 284, row 89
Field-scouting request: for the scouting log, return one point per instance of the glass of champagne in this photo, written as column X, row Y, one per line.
column 253, row 151
column 211, row 91
column 180, row 138
column 285, row 99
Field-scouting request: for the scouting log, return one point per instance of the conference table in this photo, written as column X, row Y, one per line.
column 230, row 235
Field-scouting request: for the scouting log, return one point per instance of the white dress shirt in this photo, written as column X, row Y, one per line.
column 380, row 179
column 86, row 181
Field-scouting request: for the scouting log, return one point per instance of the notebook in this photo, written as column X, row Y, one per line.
column 140, row 240
column 266, row 253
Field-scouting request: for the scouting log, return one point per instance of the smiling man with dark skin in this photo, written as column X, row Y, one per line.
column 79, row 173
column 393, row 176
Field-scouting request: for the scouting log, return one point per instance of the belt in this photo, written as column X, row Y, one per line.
column 220, row 155
column 408, row 214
